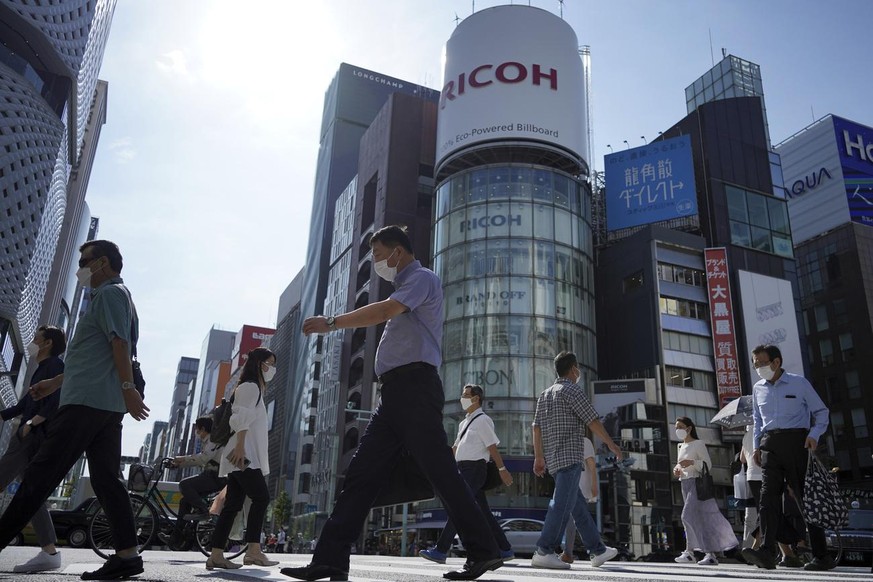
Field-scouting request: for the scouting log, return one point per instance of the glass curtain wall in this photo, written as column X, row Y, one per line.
column 513, row 248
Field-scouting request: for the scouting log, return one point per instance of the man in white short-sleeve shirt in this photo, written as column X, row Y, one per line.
column 476, row 443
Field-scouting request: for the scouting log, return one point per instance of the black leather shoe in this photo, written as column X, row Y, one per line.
column 316, row 572
column 473, row 570
column 760, row 558
column 116, row 568
column 821, row 564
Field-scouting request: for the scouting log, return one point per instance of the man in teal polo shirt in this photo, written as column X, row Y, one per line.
column 97, row 390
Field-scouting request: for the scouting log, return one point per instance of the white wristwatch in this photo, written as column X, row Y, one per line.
column 127, row 385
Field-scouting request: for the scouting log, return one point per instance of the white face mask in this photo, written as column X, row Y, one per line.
column 466, row 403
column 83, row 275
column 681, row 433
column 766, row 372
column 32, row 350
column 384, row 271
column 269, row 373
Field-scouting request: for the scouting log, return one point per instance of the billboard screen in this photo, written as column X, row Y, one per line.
column 855, row 146
column 769, row 317
column 721, row 315
column 512, row 73
column 649, row 184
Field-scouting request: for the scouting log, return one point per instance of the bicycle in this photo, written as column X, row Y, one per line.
column 152, row 515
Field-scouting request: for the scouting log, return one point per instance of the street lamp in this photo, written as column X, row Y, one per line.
column 627, row 144
column 610, row 148
column 642, row 137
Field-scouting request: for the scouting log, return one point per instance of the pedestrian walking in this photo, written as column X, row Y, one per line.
column 706, row 529
column 754, row 474
column 476, row 444
column 409, row 415
column 98, row 389
column 245, row 462
column 783, row 404
column 48, row 344
column 562, row 414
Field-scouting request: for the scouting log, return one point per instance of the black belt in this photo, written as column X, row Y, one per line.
column 466, row 463
column 395, row 373
column 786, row 431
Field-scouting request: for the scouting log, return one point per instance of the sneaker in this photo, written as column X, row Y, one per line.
column 821, row 564
column 434, row 555
column 550, row 560
column 790, row 562
column 507, row 555
column 42, row 562
column 708, row 560
column 607, row 555
column 115, row 568
column 685, row 557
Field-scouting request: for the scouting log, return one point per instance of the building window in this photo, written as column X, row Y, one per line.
column 821, row 318
column 859, row 420
column 826, row 350
column 853, row 384
column 685, row 378
column 835, row 393
column 758, row 221
column 683, row 342
column 837, row 424
column 683, row 275
column 684, row 308
column 841, row 312
column 847, row 347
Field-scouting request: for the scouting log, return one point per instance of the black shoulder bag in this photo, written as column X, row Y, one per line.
column 492, row 474
column 138, row 379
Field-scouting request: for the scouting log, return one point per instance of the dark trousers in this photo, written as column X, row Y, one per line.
column 193, row 489
column 783, row 461
column 474, row 473
column 241, row 484
column 409, row 416
column 76, row 429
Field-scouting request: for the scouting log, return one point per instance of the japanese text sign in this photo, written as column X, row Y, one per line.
column 727, row 372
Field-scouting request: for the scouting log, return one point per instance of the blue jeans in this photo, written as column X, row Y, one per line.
column 568, row 500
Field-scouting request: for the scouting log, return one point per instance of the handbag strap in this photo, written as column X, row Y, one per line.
column 463, row 432
column 134, row 336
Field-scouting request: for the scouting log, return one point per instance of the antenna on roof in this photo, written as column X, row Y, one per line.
column 711, row 55
column 561, row 3
column 457, row 19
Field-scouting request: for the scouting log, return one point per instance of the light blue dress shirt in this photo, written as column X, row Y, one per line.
column 790, row 402
column 415, row 335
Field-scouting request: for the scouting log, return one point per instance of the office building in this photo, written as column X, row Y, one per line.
column 179, row 419
column 50, row 55
column 351, row 102
column 828, row 168
column 217, row 348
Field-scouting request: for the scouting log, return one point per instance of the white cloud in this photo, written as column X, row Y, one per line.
column 123, row 150
column 175, row 63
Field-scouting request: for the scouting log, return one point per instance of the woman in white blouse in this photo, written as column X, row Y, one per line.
column 706, row 529
column 245, row 462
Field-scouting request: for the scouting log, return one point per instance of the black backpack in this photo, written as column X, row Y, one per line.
column 221, row 431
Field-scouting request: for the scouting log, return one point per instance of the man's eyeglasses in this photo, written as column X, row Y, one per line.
column 85, row 260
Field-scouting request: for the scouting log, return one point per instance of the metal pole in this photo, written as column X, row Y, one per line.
column 403, row 531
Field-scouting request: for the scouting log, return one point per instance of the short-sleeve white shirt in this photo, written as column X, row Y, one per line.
column 473, row 442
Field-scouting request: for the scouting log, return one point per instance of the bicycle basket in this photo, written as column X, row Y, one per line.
column 139, row 476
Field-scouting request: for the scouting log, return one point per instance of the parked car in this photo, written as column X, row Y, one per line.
column 856, row 538
column 71, row 525
column 523, row 534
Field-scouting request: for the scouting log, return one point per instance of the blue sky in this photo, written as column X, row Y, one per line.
column 205, row 167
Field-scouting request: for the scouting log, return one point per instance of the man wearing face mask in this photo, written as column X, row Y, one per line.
column 782, row 405
column 476, row 443
column 97, row 390
column 48, row 344
column 562, row 413
column 409, row 415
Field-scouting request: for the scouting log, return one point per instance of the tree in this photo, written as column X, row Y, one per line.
column 281, row 509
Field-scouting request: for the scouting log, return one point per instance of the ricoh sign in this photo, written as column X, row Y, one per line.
column 512, row 73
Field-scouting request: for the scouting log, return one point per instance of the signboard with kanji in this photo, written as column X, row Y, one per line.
column 727, row 369
column 649, row 184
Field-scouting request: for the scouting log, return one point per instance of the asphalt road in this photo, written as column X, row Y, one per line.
column 161, row 566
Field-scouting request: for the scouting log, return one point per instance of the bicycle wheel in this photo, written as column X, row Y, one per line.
column 145, row 518
column 203, row 536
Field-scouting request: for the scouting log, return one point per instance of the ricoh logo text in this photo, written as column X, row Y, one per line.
column 510, row 73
